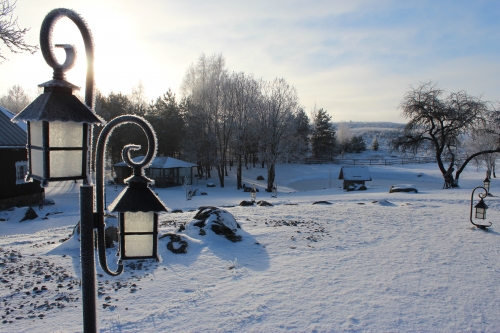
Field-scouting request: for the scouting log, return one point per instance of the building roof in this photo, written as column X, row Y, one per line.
column 11, row 135
column 161, row 162
column 355, row 173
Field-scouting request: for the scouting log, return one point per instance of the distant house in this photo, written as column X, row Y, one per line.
column 354, row 177
column 14, row 190
column 165, row 171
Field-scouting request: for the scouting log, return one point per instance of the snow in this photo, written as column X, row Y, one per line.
column 372, row 261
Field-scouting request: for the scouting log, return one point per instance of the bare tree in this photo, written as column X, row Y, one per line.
column 278, row 106
column 485, row 138
column 344, row 136
column 16, row 99
column 438, row 121
column 204, row 85
column 10, row 32
column 243, row 97
column 138, row 99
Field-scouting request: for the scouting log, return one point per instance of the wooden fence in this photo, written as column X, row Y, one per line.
column 371, row 161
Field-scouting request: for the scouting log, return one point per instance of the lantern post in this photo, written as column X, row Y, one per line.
column 479, row 209
column 59, row 139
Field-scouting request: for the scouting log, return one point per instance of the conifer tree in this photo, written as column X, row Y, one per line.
column 323, row 137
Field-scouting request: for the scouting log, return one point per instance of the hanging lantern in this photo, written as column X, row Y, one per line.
column 481, row 208
column 58, row 130
column 137, row 208
column 487, row 183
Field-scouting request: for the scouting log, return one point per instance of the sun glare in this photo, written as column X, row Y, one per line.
column 116, row 63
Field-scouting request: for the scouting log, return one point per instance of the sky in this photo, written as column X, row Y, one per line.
column 353, row 58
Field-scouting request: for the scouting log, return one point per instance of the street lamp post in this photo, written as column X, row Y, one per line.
column 253, row 193
column 480, row 208
column 487, row 183
column 59, row 148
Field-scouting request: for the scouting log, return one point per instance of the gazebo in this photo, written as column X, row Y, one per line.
column 165, row 171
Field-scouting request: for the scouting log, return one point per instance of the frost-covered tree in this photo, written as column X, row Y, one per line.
column 138, row 99
column 323, row 135
column 344, row 136
column 11, row 34
column 244, row 96
column 278, row 107
column 375, row 144
column 204, row 84
column 16, row 99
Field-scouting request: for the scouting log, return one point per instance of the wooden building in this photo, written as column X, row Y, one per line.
column 165, row 171
column 14, row 190
column 354, row 177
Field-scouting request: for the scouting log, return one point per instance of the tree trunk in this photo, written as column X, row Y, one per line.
column 270, row 176
column 239, row 184
column 220, row 173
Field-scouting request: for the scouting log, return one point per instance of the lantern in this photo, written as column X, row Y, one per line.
column 481, row 208
column 487, row 183
column 58, row 133
column 137, row 208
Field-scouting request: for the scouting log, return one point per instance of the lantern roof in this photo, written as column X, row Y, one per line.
column 57, row 103
column 481, row 204
column 137, row 197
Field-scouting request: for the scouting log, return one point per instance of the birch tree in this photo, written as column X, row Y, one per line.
column 204, row 84
column 279, row 104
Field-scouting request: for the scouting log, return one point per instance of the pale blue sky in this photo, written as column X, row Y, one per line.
column 354, row 58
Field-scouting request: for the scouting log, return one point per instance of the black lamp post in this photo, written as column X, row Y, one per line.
column 253, row 193
column 274, row 193
column 59, row 148
column 479, row 209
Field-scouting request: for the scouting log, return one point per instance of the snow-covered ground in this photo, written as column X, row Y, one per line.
column 371, row 261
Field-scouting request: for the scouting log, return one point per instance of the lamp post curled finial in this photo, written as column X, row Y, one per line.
column 48, row 53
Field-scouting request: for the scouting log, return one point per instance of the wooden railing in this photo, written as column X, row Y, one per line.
column 371, row 161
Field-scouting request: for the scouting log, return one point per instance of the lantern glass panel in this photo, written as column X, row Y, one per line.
column 66, row 163
column 139, row 222
column 65, row 134
column 36, row 162
column 138, row 245
column 36, row 133
column 481, row 213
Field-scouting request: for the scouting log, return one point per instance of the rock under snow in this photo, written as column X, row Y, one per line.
column 403, row 188
column 219, row 221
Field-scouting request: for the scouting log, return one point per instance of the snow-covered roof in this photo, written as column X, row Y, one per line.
column 11, row 115
column 161, row 162
column 355, row 173
column 11, row 135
